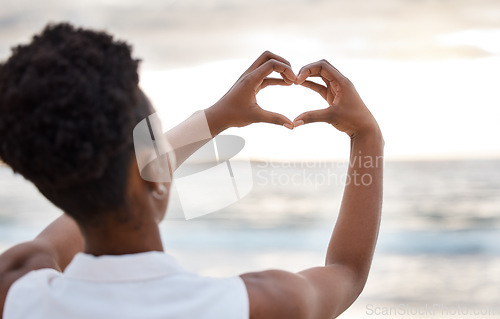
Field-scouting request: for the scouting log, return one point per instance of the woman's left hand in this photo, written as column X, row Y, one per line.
column 238, row 107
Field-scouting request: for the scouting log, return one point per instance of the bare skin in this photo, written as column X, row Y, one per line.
column 326, row 292
column 321, row 292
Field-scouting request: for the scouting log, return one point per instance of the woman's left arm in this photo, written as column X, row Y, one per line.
column 237, row 108
column 53, row 248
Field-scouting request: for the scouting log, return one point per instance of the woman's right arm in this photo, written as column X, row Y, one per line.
column 325, row 292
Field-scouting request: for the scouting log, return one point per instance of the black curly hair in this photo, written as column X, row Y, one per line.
column 68, row 103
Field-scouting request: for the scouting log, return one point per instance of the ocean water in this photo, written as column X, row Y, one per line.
column 439, row 242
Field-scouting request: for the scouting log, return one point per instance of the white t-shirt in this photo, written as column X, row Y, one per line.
column 148, row 285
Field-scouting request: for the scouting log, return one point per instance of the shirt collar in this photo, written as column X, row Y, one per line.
column 121, row 268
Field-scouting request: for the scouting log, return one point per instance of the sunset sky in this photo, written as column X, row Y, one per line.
column 428, row 70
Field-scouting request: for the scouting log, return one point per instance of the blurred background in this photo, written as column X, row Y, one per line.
column 429, row 71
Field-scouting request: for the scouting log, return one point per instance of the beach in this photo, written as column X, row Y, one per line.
column 428, row 71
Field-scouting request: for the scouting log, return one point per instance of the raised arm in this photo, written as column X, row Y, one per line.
column 325, row 292
column 237, row 108
column 60, row 241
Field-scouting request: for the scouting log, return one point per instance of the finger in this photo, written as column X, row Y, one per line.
column 263, row 58
column 319, row 76
column 323, row 115
column 272, row 81
column 321, row 89
column 285, row 78
column 259, row 74
column 321, row 68
column 274, row 118
column 331, row 91
column 327, row 82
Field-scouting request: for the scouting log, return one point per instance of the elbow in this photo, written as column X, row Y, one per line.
column 359, row 286
column 357, row 277
column 359, row 281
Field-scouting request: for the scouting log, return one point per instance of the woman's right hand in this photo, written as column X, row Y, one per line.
column 346, row 111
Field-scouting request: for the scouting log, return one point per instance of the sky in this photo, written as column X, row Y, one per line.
column 428, row 70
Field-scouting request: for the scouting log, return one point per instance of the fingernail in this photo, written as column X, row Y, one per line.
column 298, row 123
column 288, row 126
column 299, row 80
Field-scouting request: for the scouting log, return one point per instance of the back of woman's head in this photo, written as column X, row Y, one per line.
column 68, row 103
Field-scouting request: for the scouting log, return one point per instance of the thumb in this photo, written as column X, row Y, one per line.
column 275, row 118
column 322, row 115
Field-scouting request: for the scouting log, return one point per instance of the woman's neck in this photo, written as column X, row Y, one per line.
column 116, row 237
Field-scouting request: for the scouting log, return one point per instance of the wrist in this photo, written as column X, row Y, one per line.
column 215, row 120
column 372, row 136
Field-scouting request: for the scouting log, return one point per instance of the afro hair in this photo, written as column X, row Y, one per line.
column 68, row 103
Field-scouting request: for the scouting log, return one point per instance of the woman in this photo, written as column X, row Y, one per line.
column 69, row 101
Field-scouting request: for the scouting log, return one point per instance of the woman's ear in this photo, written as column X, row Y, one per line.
column 160, row 191
column 160, row 194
